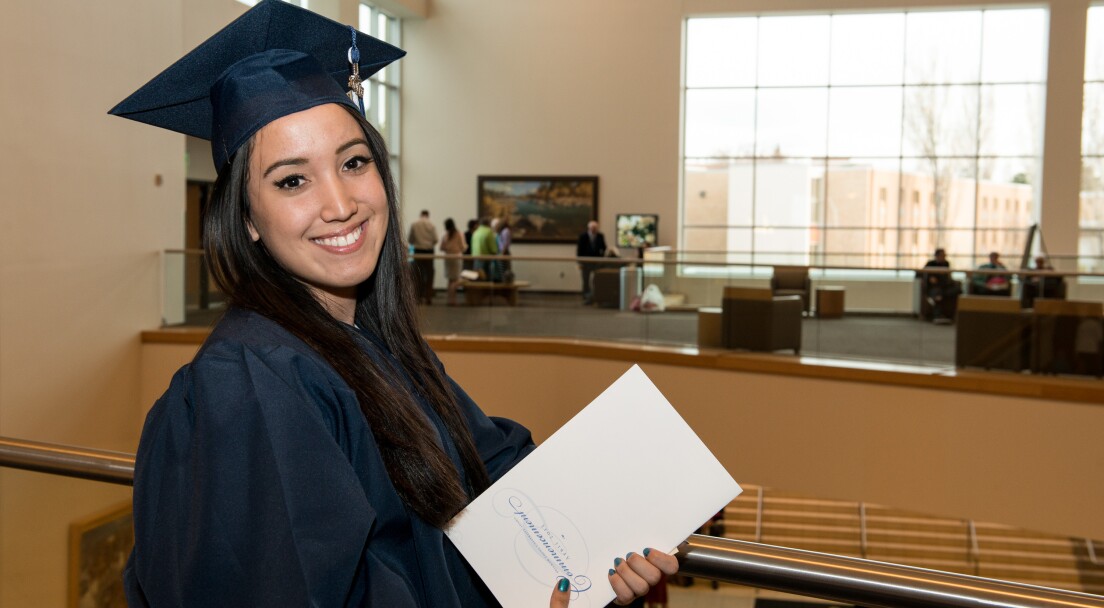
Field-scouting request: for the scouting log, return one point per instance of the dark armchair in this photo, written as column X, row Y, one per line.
column 992, row 333
column 1051, row 287
column 754, row 319
column 792, row 281
column 1068, row 337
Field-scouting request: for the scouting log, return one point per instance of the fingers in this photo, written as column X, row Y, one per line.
column 667, row 563
column 561, row 594
column 636, row 573
column 625, row 593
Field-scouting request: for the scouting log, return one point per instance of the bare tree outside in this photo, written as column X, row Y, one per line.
column 941, row 125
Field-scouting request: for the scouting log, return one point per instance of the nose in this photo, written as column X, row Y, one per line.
column 338, row 203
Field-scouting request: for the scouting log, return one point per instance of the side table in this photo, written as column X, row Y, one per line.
column 829, row 302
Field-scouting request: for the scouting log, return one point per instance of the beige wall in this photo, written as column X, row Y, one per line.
column 571, row 87
column 83, row 221
column 494, row 87
column 1022, row 462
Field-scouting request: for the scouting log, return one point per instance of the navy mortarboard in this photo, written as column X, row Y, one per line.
column 275, row 60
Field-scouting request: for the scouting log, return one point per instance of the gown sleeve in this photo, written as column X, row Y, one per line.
column 243, row 495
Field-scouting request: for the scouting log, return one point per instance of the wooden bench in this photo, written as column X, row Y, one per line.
column 477, row 293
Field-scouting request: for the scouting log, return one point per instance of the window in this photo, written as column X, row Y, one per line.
column 1091, row 243
column 795, row 125
column 382, row 90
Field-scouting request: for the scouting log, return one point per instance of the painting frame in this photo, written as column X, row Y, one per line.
column 99, row 546
column 636, row 230
column 540, row 208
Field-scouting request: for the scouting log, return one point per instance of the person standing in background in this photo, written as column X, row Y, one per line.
column 468, row 240
column 592, row 244
column 504, row 239
column 484, row 242
column 452, row 245
column 423, row 237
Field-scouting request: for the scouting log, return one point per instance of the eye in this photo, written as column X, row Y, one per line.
column 356, row 163
column 290, row 182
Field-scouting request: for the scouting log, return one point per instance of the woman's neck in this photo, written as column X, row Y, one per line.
column 341, row 306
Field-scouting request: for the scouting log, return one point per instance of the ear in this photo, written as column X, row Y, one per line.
column 253, row 234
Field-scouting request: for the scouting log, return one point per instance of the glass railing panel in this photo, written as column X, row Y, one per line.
column 877, row 315
column 190, row 296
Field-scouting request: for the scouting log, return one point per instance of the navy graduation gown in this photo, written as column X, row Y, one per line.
column 258, row 483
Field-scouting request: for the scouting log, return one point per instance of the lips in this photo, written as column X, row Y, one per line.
column 343, row 240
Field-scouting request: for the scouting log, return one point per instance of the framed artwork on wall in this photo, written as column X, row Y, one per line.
column 637, row 230
column 98, row 549
column 540, row 209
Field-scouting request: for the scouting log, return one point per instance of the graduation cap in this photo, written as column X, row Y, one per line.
column 274, row 60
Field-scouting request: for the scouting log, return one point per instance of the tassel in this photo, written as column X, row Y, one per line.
column 356, row 89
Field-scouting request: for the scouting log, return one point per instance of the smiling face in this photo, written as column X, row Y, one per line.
column 317, row 202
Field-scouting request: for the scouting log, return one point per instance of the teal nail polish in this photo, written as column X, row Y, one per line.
column 617, row 561
column 647, row 550
column 563, row 585
column 611, row 571
column 628, row 555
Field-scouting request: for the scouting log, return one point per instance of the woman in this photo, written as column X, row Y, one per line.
column 452, row 244
column 313, row 450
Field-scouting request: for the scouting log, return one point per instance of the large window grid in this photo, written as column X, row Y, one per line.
column 382, row 90
column 863, row 140
column 1091, row 242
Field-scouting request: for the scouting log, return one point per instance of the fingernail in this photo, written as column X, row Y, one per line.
column 647, row 550
column 611, row 572
column 617, row 561
column 628, row 555
column 563, row 585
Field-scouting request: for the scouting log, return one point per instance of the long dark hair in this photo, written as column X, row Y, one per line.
column 418, row 466
column 450, row 227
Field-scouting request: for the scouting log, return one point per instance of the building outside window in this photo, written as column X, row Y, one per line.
column 796, row 125
column 382, row 90
column 1091, row 245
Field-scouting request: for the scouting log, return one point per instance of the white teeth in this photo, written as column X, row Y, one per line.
column 341, row 241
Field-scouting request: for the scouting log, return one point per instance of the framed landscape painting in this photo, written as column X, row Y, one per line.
column 98, row 549
column 540, row 209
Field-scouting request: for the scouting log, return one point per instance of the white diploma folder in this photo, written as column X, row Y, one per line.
column 624, row 474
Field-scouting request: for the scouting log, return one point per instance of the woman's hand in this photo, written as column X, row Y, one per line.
column 631, row 577
column 561, row 594
column 634, row 575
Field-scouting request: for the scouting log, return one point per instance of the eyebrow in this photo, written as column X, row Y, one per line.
column 282, row 163
column 302, row 161
column 351, row 143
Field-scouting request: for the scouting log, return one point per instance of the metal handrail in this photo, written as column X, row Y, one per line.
column 833, row 577
column 69, row 461
column 859, row 581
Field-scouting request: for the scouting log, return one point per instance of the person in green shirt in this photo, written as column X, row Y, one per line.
column 485, row 242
